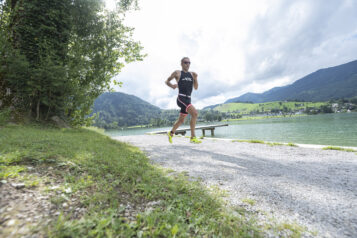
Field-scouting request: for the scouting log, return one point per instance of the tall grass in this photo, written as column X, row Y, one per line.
column 104, row 175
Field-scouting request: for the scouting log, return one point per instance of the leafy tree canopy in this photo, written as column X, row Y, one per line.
column 57, row 56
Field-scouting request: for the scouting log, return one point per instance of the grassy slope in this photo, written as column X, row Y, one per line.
column 104, row 174
column 246, row 108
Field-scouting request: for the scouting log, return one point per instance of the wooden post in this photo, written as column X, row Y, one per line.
column 212, row 132
column 203, row 132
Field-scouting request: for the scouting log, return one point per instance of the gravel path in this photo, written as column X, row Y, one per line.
column 308, row 186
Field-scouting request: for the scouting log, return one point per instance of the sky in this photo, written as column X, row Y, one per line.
column 235, row 46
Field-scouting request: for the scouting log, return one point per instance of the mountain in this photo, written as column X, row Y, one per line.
column 211, row 106
column 322, row 85
column 124, row 109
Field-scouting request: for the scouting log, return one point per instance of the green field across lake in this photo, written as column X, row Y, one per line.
column 247, row 108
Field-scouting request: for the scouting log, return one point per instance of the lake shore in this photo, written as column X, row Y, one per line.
column 304, row 185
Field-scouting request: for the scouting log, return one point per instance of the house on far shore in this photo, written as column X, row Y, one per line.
column 334, row 107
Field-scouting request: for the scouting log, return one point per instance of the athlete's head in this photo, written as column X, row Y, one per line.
column 185, row 63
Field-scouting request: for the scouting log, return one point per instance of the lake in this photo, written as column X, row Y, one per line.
column 338, row 129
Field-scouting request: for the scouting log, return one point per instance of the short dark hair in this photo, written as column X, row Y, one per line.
column 184, row 59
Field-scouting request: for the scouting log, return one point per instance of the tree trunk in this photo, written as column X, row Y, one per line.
column 30, row 110
column 38, row 110
column 49, row 107
column 48, row 113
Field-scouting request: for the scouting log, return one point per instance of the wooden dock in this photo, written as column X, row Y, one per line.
column 183, row 131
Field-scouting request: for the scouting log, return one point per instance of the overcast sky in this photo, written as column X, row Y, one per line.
column 236, row 46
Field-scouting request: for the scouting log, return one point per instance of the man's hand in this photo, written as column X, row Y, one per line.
column 174, row 86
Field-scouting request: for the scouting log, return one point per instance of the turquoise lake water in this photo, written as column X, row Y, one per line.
column 338, row 129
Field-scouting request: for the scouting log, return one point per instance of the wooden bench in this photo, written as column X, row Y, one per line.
column 183, row 131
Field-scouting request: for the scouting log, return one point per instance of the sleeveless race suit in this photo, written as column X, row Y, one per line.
column 185, row 85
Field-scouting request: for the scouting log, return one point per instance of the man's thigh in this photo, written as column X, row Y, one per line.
column 191, row 110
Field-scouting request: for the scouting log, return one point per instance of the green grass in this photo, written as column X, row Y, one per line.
column 274, row 143
column 247, row 108
column 250, row 141
column 249, row 201
column 267, row 143
column 104, row 174
column 295, row 229
column 339, row 148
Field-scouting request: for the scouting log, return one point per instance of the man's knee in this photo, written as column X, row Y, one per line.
column 194, row 114
column 181, row 120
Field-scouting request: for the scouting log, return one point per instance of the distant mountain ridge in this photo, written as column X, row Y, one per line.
column 322, row 85
column 123, row 109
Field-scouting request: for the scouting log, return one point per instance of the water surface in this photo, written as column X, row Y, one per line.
column 338, row 129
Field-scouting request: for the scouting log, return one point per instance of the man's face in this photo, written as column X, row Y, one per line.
column 186, row 64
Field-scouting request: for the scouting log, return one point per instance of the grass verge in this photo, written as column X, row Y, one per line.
column 105, row 176
column 267, row 143
column 250, row 141
column 249, row 201
column 339, row 148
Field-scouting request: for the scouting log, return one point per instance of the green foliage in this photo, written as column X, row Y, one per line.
column 339, row 148
column 267, row 143
column 212, row 115
column 10, row 171
column 326, row 109
column 354, row 100
column 274, row 143
column 115, row 109
column 58, row 56
column 118, row 109
column 4, row 116
column 268, row 107
column 249, row 201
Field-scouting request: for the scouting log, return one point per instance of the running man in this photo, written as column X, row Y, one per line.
column 185, row 82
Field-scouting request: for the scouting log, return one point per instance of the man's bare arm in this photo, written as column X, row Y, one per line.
column 195, row 81
column 174, row 75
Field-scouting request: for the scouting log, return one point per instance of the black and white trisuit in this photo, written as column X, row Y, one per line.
column 185, row 85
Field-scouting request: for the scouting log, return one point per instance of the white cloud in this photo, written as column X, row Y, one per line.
column 236, row 46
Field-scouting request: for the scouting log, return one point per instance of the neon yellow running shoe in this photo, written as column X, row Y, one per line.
column 170, row 136
column 195, row 140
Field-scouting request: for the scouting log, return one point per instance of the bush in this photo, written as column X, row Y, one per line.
column 4, row 116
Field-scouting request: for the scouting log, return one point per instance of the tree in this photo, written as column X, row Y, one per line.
column 61, row 54
column 354, row 100
column 326, row 109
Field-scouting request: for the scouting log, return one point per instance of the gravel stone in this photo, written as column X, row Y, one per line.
column 18, row 185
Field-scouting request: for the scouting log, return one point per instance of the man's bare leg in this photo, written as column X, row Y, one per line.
column 194, row 114
column 178, row 123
